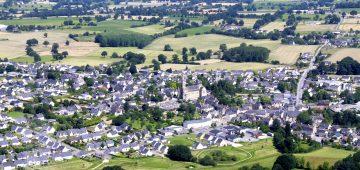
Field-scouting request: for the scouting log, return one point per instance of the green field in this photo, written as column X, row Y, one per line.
column 187, row 140
column 16, row 114
column 197, row 30
column 327, row 154
column 57, row 21
column 261, row 152
column 205, row 42
column 149, row 29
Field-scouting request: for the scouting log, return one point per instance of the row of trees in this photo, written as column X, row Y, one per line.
column 123, row 40
column 245, row 53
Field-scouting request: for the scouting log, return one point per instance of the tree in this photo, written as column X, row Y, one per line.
column 46, row 43
column 64, row 54
column 207, row 161
column 67, row 43
column 133, row 69
column 285, row 161
column 167, row 47
column 175, row 59
column 353, row 12
column 104, row 54
column 37, row 58
column 185, row 58
column 32, row 42
column 115, row 167
column 180, row 153
column 184, row 51
column 55, row 48
column 223, row 47
column 115, row 55
column 162, row 58
column 89, row 81
column 193, row 51
column 156, row 64
column 45, row 34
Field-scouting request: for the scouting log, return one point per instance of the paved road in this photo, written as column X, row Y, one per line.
column 300, row 85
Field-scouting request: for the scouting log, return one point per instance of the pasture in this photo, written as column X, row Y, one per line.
column 197, row 30
column 206, row 42
column 288, row 54
column 325, row 154
column 276, row 25
column 14, row 44
column 57, row 21
column 306, row 27
column 216, row 64
column 249, row 22
column 149, row 29
column 339, row 54
column 350, row 23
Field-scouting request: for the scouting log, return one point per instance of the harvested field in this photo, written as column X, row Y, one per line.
column 339, row 54
column 288, row 54
column 273, row 26
column 350, row 23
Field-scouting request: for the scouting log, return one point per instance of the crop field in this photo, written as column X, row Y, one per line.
column 339, row 54
column 13, row 44
column 150, row 54
column 149, row 29
column 273, row 26
column 288, row 54
column 206, row 42
column 216, row 64
column 37, row 21
column 325, row 154
column 197, row 30
column 349, row 23
column 309, row 27
column 249, row 22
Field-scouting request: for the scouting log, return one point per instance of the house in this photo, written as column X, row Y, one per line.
column 198, row 146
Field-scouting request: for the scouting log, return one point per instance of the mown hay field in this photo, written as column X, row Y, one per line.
column 339, row 54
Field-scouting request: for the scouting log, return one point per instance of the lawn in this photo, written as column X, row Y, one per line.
column 149, row 29
column 276, row 25
column 197, row 30
column 16, row 114
column 229, row 150
column 339, row 54
column 288, row 54
column 187, row 140
column 73, row 164
column 320, row 156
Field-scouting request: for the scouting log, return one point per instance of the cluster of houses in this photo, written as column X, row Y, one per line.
column 108, row 95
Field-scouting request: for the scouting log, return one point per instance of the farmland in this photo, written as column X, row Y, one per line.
column 288, row 54
column 197, row 30
column 350, row 23
column 317, row 27
column 339, row 54
column 149, row 29
column 205, row 42
column 216, row 64
column 276, row 25
column 57, row 21
column 327, row 154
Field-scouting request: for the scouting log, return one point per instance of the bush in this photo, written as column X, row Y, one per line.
column 207, row 161
column 180, row 153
